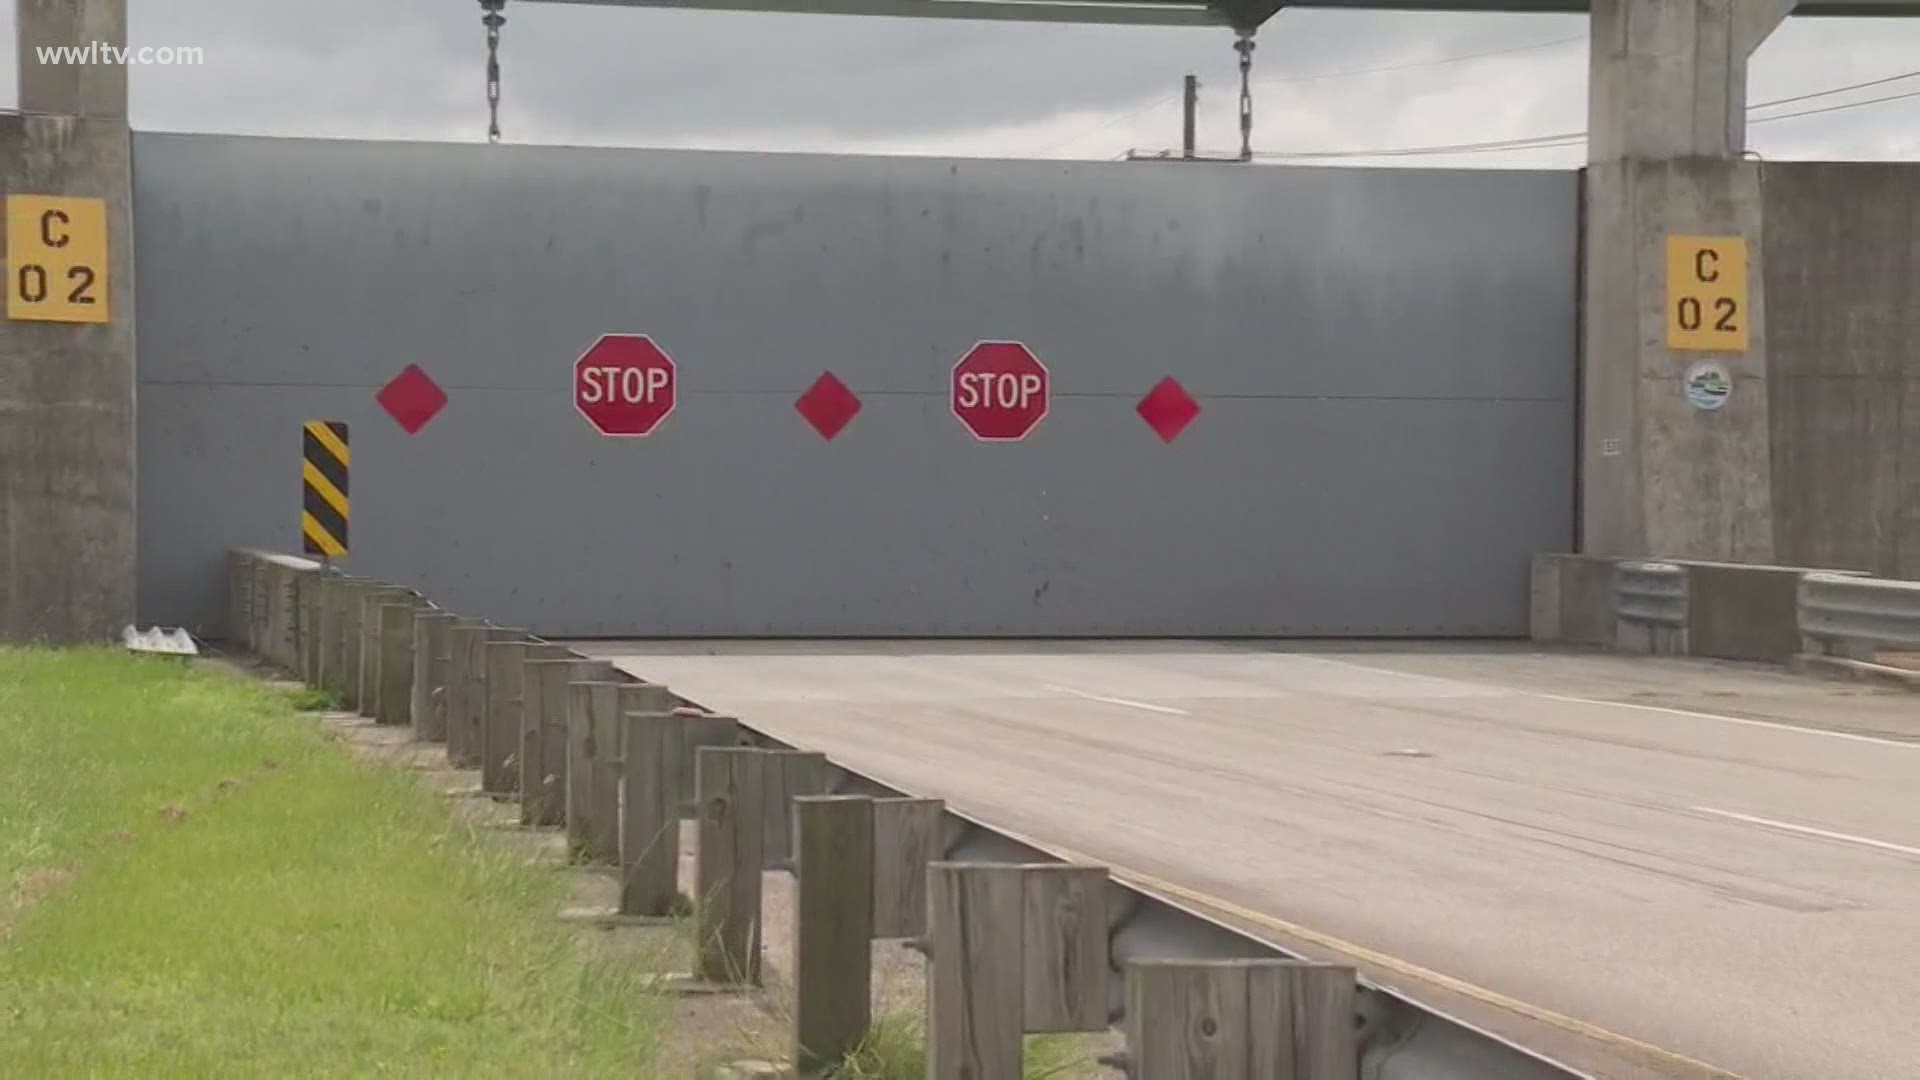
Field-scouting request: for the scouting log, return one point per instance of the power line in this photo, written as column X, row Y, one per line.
column 1835, row 108
column 1114, row 122
column 1572, row 138
column 1315, row 77
column 1830, row 93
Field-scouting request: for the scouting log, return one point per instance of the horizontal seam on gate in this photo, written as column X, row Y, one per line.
column 937, row 394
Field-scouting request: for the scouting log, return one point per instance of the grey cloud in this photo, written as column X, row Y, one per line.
column 413, row 68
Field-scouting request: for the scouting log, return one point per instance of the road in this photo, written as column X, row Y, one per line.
column 1648, row 868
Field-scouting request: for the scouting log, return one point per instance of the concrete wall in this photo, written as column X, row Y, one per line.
column 66, row 410
column 1843, row 288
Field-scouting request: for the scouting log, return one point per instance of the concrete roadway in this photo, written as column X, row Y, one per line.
column 1645, row 868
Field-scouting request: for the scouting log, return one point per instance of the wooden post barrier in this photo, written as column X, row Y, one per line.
column 306, row 625
column 974, row 1005
column 336, row 628
column 376, row 594
column 593, row 761
column 393, row 696
column 506, row 669
column 467, row 645
column 833, row 927
column 907, row 836
column 650, row 800
column 546, row 704
column 239, row 596
column 790, row 774
column 432, row 658
column 731, row 787
column 1064, row 924
column 1012, row 950
column 698, row 731
column 505, row 704
column 1241, row 1020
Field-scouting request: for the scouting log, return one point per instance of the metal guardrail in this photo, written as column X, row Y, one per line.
column 1399, row 1037
column 1842, row 615
column 1650, row 593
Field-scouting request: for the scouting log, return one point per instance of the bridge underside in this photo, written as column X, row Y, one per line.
column 1241, row 13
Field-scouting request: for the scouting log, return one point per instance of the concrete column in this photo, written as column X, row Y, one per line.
column 66, row 389
column 95, row 90
column 1667, row 130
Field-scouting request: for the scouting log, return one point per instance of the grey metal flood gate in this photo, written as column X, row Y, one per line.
column 1383, row 360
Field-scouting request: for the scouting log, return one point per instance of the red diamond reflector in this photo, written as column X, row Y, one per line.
column 828, row 405
column 412, row 399
column 1168, row 409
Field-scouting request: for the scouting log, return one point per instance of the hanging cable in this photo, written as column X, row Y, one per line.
column 493, row 17
column 1574, row 138
column 1243, row 44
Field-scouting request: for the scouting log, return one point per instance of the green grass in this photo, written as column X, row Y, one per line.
column 201, row 885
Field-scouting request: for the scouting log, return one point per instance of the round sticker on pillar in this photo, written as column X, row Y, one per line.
column 1709, row 385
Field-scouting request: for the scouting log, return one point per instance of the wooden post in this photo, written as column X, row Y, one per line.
column 239, row 566
column 906, row 837
column 696, row 733
column 500, row 727
column 650, row 800
column 256, row 604
column 337, row 630
column 393, row 701
column 974, row 1007
column 610, row 741
column 306, row 617
column 730, row 788
column 593, row 761
column 833, row 928
column 467, row 686
column 1241, row 1020
column 790, row 773
column 1064, row 921
column 367, row 694
column 544, row 711
column 592, row 706
column 432, row 658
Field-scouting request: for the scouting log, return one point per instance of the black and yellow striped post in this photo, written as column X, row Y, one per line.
column 324, row 462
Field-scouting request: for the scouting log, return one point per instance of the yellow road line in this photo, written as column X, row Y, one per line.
column 1494, row 998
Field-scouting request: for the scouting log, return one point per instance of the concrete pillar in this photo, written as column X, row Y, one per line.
column 94, row 90
column 66, row 389
column 1661, row 477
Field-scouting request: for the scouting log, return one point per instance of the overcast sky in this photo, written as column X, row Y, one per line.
column 611, row 76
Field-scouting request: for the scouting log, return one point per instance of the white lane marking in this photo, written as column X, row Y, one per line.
column 1168, row 709
column 1808, row 830
column 1669, row 710
column 1774, row 724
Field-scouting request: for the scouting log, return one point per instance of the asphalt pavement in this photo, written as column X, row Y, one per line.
column 1647, row 868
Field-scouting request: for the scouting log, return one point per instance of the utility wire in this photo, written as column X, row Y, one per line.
column 1114, row 122
column 1315, row 77
column 1572, row 138
column 1834, row 108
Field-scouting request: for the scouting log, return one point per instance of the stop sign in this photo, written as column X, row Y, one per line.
column 1000, row 391
column 624, row 385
